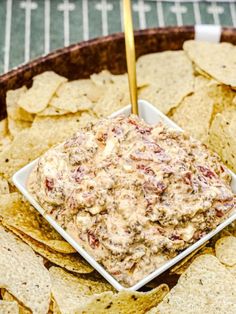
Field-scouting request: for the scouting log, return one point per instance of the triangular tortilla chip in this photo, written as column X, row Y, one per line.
column 9, row 307
column 77, row 295
column 217, row 60
column 18, row 213
column 205, row 287
column 72, row 262
column 22, row 273
column 226, row 250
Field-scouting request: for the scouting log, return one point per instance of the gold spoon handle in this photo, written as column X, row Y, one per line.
column 130, row 55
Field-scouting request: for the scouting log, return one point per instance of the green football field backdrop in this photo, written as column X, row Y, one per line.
column 30, row 28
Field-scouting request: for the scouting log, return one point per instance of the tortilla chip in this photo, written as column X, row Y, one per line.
column 232, row 270
column 205, row 287
column 226, row 250
column 22, row 273
column 65, row 125
column 168, row 77
column 17, row 213
column 187, row 258
column 217, row 60
column 8, row 297
column 70, row 104
column 87, row 118
column 198, row 71
column 223, row 233
column 13, row 109
column 194, row 113
column 222, row 137
column 16, row 126
column 5, row 142
column 72, row 262
column 125, row 301
column 114, row 98
column 83, row 87
column 3, row 128
column 8, row 307
column 55, row 308
column 222, row 96
column 38, row 96
column 181, row 267
column 4, row 186
column 70, row 292
column 31, row 143
column 51, row 111
column 106, row 78
column 76, row 295
column 200, row 82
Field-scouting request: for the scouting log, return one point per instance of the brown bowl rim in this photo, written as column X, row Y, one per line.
column 227, row 32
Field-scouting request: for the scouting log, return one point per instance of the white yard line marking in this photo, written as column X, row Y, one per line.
column 28, row 6
column 215, row 10
column 104, row 7
column 66, row 7
column 197, row 13
column 160, row 14
column 46, row 26
column 85, row 20
column 7, row 35
column 179, row 10
column 141, row 8
column 232, row 7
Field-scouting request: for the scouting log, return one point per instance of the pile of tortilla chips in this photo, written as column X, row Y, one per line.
column 39, row 271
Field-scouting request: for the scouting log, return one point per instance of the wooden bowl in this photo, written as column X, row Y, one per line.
column 82, row 59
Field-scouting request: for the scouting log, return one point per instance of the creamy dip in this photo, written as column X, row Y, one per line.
column 133, row 195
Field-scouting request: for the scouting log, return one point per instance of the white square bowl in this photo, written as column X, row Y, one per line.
column 152, row 116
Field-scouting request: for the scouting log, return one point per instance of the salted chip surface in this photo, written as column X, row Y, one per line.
column 232, row 270
column 167, row 78
column 71, row 292
column 234, row 100
column 106, row 78
column 23, row 274
column 16, row 126
column 3, row 128
column 72, row 262
column 125, row 302
column 82, row 87
column 14, row 111
column 216, row 59
column 8, row 297
column 7, row 307
column 18, row 214
column 187, row 261
column 194, row 113
column 4, row 186
column 226, row 250
column 222, row 137
column 198, row 71
column 71, row 104
column 114, row 98
column 205, row 287
column 5, row 142
column 222, row 96
column 52, row 111
column 38, row 96
column 200, row 81
column 78, row 295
